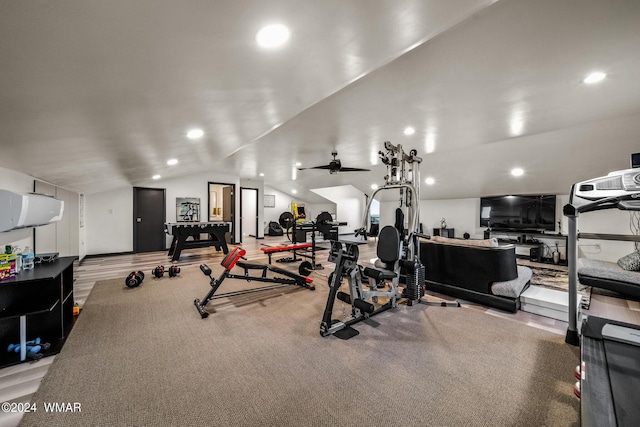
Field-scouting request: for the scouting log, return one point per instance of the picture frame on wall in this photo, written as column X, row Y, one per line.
column 269, row 201
column 187, row 209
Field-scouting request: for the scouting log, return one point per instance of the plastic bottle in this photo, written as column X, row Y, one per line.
column 18, row 252
column 27, row 258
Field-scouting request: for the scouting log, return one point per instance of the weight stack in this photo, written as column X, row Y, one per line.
column 415, row 282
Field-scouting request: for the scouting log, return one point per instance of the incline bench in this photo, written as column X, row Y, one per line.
column 231, row 260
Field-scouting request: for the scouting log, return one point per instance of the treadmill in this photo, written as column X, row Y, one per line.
column 610, row 350
column 610, row 373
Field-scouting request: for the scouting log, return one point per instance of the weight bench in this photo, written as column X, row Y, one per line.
column 294, row 248
column 232, row 259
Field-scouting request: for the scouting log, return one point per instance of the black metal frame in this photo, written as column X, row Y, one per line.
column 622, row 202
column 345, row 256
column 231, row 260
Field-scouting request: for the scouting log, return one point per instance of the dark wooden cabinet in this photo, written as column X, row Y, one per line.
column 37, row 303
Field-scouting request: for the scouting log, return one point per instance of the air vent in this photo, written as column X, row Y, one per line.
column 586, row 187
column 614, row 183
column 631, row 181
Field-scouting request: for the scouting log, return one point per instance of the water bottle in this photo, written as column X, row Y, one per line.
column 18, row 252
column 27, row 258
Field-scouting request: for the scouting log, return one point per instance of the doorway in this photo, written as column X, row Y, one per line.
column 248, row 213
column 222, row 205
column 149, row 215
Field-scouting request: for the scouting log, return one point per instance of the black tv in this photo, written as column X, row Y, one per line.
column 518, row 213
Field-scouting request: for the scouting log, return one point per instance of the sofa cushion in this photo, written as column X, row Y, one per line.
column 488, row 243
column 513, row 288
column 630, row 262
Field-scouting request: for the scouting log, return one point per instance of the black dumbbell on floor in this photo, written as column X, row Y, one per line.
column 159, row 271
column 134, row 279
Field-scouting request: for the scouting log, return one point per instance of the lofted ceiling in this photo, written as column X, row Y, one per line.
column 97, row 96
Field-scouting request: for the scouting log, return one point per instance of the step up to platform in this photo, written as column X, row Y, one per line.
column 546, row 302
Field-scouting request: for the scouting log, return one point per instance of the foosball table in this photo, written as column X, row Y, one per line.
column 187, row 235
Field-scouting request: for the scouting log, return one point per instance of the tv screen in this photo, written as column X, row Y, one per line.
column 518, row 212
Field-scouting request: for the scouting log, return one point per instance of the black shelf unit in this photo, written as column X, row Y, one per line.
column 444, row 232
column 532, row 239
column 42, row 300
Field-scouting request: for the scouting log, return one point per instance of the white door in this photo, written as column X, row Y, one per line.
column 249, row 214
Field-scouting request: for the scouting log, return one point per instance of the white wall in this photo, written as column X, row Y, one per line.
column 350, row 205
column 611, row 222
column 109, row 215
column 109, row 221
column 283, row 204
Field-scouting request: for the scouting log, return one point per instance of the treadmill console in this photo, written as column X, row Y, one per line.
column 615, row 184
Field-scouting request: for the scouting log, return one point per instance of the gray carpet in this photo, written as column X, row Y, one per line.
column 144, row 357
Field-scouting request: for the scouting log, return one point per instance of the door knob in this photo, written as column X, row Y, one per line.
column 139, row 219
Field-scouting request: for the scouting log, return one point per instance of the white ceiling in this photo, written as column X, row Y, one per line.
column 98, row 95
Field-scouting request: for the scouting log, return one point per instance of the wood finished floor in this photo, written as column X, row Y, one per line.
column 19, row 382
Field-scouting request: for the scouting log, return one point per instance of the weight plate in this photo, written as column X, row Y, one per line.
column 322, row 224
column 286, row 220
column 305, row 268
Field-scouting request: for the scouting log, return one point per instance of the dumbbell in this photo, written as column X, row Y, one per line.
column 158, row 272
column 174, row 270
column 30, row 348
column 33, row 346
column 134, row 279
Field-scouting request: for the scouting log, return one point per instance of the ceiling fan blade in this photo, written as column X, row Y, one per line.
column 343, row 169
column 316, row 167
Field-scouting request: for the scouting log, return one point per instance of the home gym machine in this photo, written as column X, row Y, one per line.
column 397, row 250
column 230, row 261
column 610, row 350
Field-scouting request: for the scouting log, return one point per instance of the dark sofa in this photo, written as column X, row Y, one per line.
column 474, row 272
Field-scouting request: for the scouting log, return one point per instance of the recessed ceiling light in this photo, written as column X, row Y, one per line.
column 517, row 172
column 409, row 130
column 374, row 186
column 195, row 134
column 156, row 177
column 261, row 174
column 594, row 77
column 298, row 164
column 429, row 181
column 172, row 162
column 272, row 36
column 294, row 191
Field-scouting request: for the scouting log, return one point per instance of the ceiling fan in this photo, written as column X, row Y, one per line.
column 335, row 166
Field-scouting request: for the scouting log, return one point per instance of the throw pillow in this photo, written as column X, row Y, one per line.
column 630, row 262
